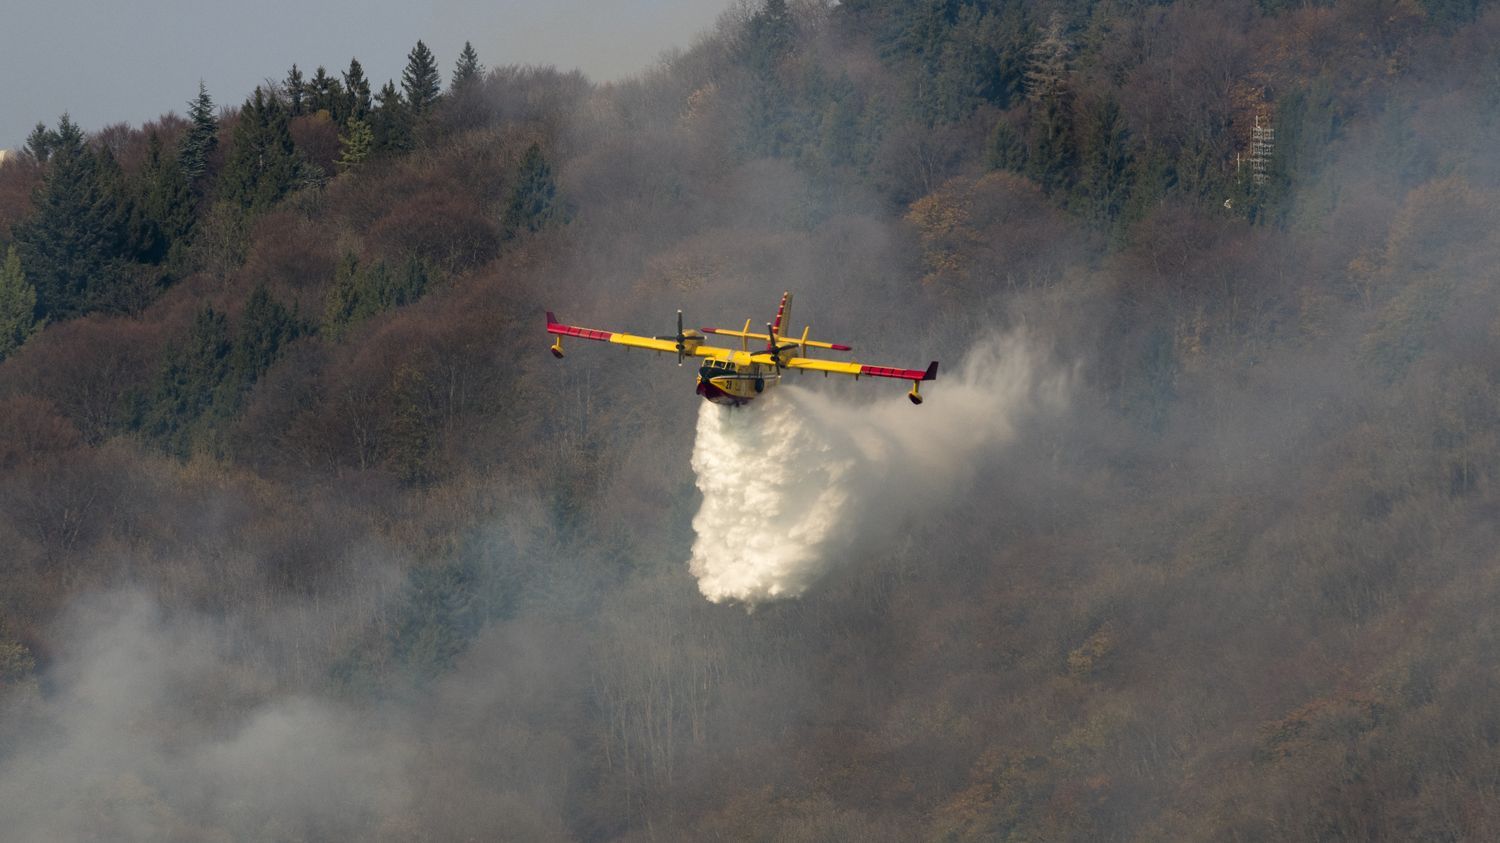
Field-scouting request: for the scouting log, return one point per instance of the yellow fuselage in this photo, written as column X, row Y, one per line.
column 723, row 382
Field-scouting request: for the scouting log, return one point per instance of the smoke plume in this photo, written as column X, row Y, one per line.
column 799, row 482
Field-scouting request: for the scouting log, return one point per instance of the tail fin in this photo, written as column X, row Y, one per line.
column 783, row 315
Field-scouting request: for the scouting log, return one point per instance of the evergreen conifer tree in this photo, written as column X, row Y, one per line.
column 356, row 93
column 1104, row 163
column 296, row 92
column 201, row 139
column 168, row 199
column 188, row 380
column 69, row 243
column 420, row 81
column 769, row 37
column 266, row 326
column 40, row 142
column 391, row 122
column 355, row 144
column 468, row 68
column 263, row 165
column 532, row 201
column 325, row 94
column 343, row 296
column 17, row 305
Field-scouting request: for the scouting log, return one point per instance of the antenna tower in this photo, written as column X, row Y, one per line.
column 1262, row 144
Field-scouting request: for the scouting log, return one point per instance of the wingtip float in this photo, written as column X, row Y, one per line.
column 735, row 377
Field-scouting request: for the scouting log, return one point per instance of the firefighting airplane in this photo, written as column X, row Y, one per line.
column 736, row 377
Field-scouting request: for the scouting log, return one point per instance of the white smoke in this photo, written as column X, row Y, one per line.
column 796, row 482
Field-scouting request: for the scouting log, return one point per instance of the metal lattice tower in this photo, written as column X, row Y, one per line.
column 1262, row 145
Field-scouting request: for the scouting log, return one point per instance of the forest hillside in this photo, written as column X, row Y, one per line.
column 304, row 536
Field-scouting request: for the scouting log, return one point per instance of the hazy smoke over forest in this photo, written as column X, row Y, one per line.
column 304, row 536
column 803, row 481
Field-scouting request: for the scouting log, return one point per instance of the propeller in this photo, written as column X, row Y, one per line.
column 776, row 348
column 680, row 339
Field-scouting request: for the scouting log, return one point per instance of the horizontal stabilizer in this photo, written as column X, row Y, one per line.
column 785, row 340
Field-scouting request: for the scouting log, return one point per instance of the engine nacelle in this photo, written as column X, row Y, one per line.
column 914, row 396
column 556, row 348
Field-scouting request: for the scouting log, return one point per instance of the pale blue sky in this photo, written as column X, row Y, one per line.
column 109, row 61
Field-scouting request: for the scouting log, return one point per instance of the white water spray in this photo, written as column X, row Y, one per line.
column 791, row 484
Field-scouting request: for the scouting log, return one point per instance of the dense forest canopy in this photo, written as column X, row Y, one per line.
column 303, row 536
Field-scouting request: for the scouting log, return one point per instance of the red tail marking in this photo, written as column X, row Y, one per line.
column 780, row 311
column 556, row 327
column 904, row 374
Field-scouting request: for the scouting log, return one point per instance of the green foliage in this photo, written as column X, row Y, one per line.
column 266, row 327
column 190, row 376
column 359, row 292
column 355, row 144
column 768, row 40
column 201, row 139
column 70, row 243
column 1052, row 154
column 357, row 93
column 1451, row 14
column 420, row 81
column 392, row 122
column 1105, row 164
column 263, row 166
column 17, row 305
column 980, row 57
column 533, row 200
column 168, row 203
column 444, row 606
column 325, row 93
column 1404, row 329
column 41, row 142
column 296, row 90
column 467, row 70
column 17, row 665
column 1005, row 149
column 205, row 375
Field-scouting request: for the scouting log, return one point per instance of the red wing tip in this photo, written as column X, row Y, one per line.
column 837, row 347
column 931, row 373
column 551, row 319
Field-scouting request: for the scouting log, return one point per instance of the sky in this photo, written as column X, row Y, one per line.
column 108, row 61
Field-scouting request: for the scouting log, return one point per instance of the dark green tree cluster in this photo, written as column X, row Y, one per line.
column 264, row 165
column 72, row 245
column 420, row 81
column 361, row 291
column 467, row 71
column 17, row 305
column 533, row 201
column 205, row 375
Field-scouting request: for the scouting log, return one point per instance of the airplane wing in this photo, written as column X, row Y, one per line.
column 859, row 369
column 631, row 340
column 791, row 340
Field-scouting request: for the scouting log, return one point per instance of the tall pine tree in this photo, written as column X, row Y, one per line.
column 391, row 122
column 200, row 141
column 467, row 70
column 356, row 93
column 533, row 200
column 187, row 382
column 263, row 165
column 296, row 92
column 420, row 81
column 17, row 305
column 69, row 244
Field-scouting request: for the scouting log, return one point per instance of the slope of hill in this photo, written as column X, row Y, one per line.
column 305, row 536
